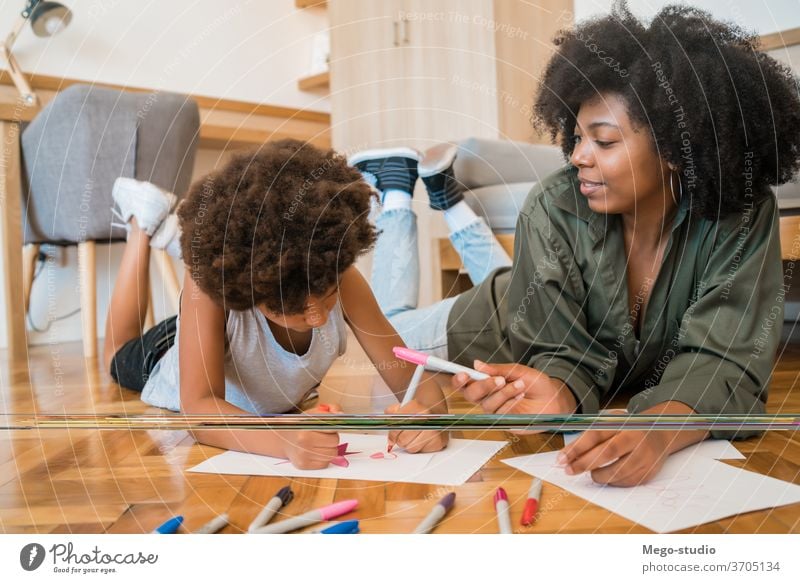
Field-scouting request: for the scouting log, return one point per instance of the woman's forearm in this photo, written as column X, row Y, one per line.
column 677, row 440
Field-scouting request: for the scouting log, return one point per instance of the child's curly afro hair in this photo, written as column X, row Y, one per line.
column 275, row 226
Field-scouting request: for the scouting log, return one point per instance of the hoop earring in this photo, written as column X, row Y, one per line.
column 677, row 200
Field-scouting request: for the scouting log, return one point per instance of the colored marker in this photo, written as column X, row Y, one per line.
column 437, row 364
column 323, row 514
column 410, row 392
column 532, row 503
column 213, row 525
column 441, row 508
column 346, row 527
column 502, row 508
column 280, row 499
column 171, row 526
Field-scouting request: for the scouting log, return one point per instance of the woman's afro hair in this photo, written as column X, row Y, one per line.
column 724, row 113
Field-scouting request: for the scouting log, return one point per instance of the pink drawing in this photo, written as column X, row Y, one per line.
column 341, row 461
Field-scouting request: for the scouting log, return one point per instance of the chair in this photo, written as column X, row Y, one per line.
column 74, row 150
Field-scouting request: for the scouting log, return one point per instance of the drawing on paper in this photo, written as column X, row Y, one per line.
column 341, row 459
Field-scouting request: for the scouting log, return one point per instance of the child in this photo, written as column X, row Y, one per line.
column 269, row 243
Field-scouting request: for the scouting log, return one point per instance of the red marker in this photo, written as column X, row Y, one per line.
column 532, row 504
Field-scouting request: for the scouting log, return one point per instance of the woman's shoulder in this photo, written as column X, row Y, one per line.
column 758, row 213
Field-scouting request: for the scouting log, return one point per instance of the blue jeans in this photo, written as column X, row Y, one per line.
column 395, row 276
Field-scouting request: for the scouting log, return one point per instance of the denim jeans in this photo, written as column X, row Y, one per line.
column 395, row 276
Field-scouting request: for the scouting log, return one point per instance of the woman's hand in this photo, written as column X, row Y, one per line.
column 627, row 458
column 515, row 388
column 415, row 441
column 617, row 458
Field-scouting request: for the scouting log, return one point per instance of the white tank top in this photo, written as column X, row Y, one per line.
column 260, row 375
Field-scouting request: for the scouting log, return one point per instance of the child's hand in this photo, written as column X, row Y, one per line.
column 515, row 388
column 322, row 408
column 412, row 440
column 617, row 458
column 311, row 450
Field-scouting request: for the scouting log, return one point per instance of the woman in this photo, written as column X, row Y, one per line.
column 651, row 263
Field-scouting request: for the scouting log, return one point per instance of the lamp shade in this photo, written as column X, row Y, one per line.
column 48, row 18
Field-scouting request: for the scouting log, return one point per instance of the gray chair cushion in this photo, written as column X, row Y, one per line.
column 86, row 138
column 483, row 162
column 499, row 204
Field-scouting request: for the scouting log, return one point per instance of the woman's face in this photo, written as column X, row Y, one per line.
column 619, row 168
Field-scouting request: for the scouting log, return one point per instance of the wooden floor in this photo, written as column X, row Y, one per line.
column 91, row 481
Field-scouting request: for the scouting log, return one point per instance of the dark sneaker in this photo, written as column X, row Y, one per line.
column 436, row 171
column 388, row 169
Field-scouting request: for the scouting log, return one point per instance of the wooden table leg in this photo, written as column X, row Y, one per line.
column 11, row 226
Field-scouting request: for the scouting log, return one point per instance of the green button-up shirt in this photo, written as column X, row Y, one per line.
column 708, row 334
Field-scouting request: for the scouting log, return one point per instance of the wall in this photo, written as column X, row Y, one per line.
column 238, row 49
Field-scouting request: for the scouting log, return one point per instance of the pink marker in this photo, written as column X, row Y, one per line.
column 437, row 364
column 502, row 509
column 323, row 514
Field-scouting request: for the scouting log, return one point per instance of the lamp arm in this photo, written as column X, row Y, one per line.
column 12, row 36
column 20, row 82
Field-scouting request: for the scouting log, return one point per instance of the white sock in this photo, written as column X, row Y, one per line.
column 459, row 216
column 396, row 199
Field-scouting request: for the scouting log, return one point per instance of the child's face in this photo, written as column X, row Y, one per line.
column 315, row 314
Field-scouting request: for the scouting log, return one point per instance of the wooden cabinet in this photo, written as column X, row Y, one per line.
column 410, row 72
column 413, row 72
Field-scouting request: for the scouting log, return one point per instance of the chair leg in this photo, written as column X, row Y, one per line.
column 87, row 273
column 166, row 270
column 30, row 253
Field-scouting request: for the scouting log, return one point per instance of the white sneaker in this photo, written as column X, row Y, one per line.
column 143, row 200
column 168, row 236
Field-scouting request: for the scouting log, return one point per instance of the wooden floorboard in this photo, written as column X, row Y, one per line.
column 92, row 481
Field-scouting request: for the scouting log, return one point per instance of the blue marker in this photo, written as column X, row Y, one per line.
column 171, row 526
column 345, row 527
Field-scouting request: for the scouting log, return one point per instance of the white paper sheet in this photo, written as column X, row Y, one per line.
column 690, row 490
column 451, row 467
column 715, row 449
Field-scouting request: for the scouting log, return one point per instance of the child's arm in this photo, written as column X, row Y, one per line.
column 202, row 389
column 377, row 336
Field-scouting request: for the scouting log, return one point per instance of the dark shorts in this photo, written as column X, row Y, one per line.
column 133, row 363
